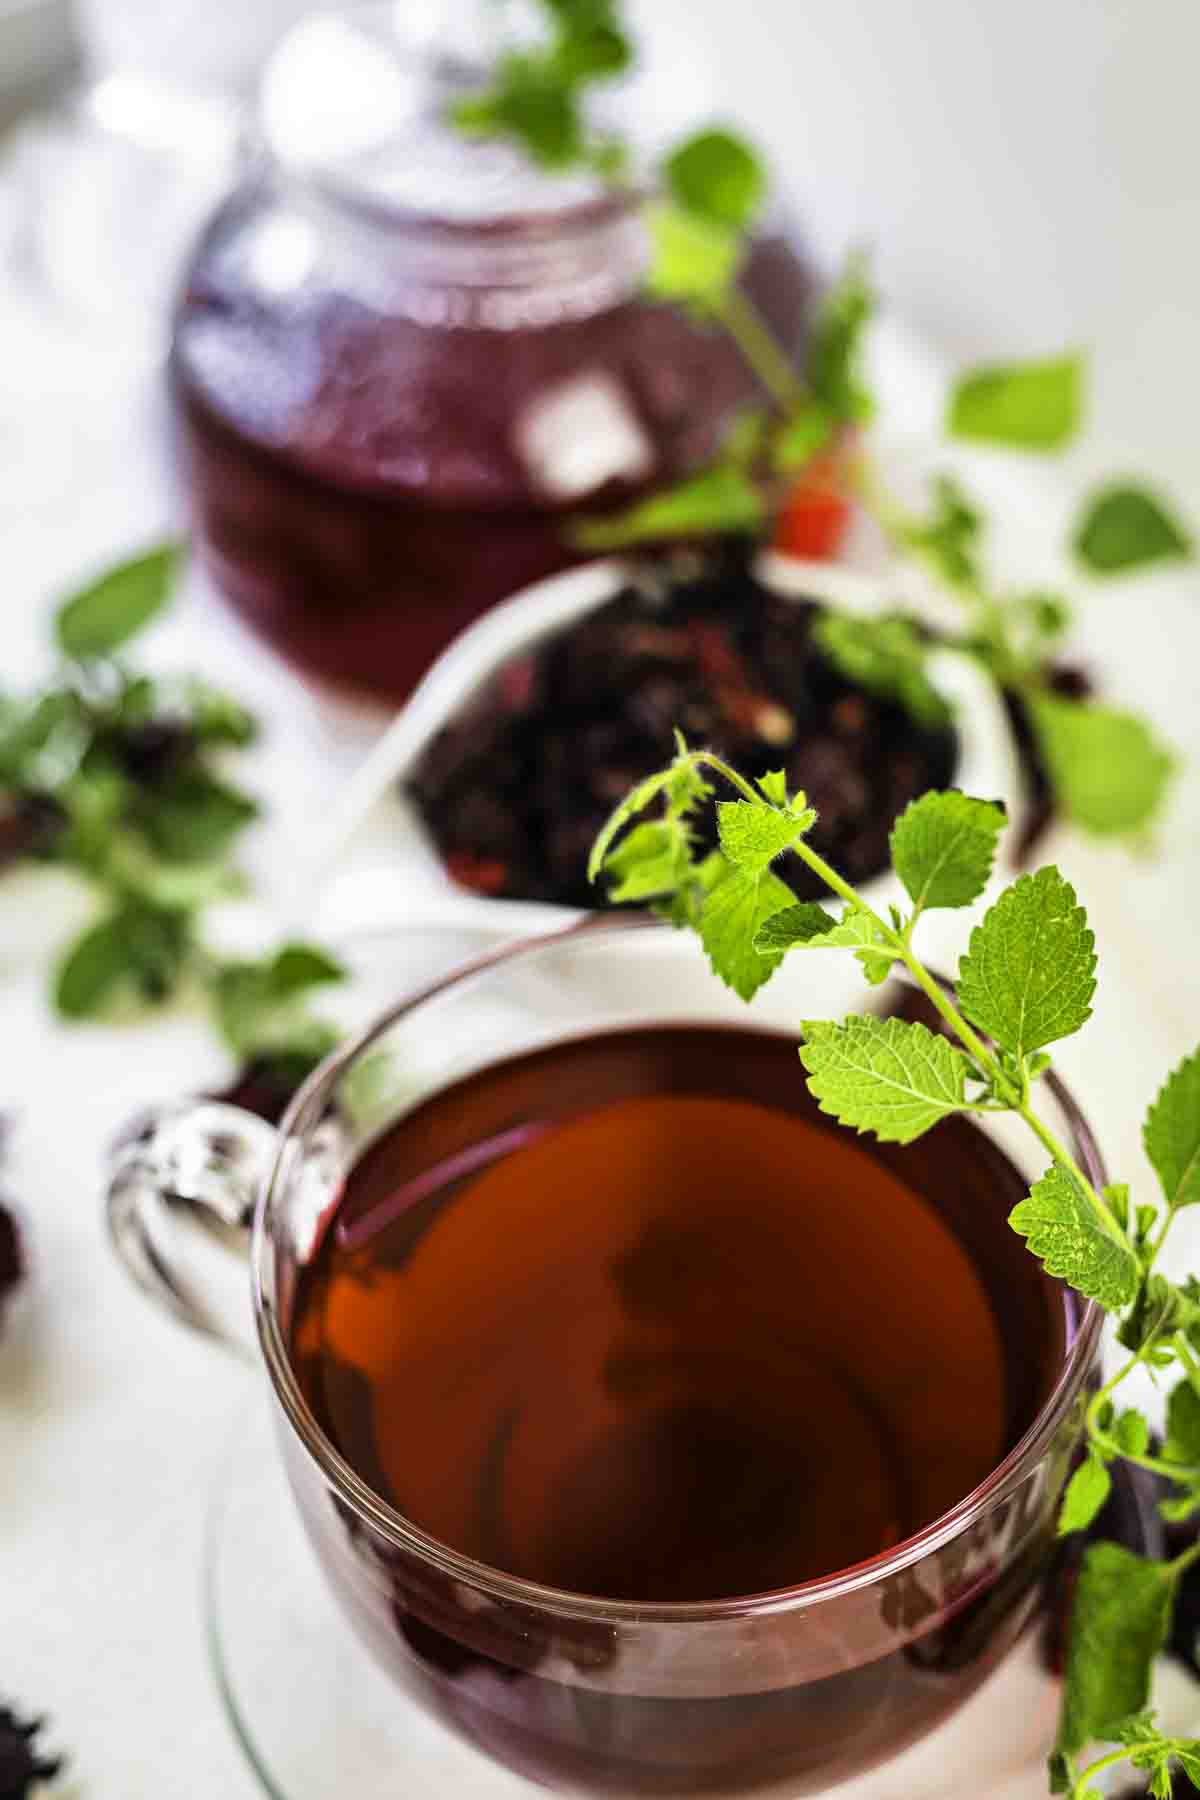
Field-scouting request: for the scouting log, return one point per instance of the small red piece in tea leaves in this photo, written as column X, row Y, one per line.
column 514, row 790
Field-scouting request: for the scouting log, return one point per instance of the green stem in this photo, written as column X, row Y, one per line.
column 1183, row 1351
column 714, row 762
column 1104, row 1440
column 1014, row 1098
column 1157, row 1244
column 1084, row 1780
column 1183, row 1563
column 762, row 351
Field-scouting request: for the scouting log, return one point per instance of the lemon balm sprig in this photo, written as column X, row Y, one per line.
column 1025, row 981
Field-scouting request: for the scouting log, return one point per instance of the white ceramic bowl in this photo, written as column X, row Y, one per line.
column 377, row 863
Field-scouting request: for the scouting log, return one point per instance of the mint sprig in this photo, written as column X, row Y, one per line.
column 1026, row 981
column 125, row 781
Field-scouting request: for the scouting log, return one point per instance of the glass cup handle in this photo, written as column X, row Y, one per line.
column 183, row 1184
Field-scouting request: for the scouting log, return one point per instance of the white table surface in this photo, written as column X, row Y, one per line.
column 112, row 1419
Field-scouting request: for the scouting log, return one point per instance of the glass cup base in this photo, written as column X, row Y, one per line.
column 314, row 1716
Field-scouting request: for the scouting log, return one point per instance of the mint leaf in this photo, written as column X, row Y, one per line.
column 193, row 817
column 1125, row 527
column 1064, row 1231
column 653, row 859
column 951, row 536
column 717, row 176
column 1160, row 1308
column 261, row 1006
column 1108, row 770
column 1171, row 1133
column 138, row 949
column 720, row 499
column 774, row 786
column 531, row 102
column 836, row 343
column 298, row 967
column 732, row 915
column 1028, row 406
column 103, row 616
column 943, row 847
column 634, row 802
column 800, row 437
column 1030, row 972
column 1182, row 1442
column 1087, row 1490
column 1132, row 1432
column 887, row 655
column 804, row 923
column 753, row 836
column 1119, row 1619
column 809, row 925
column 883, row 1075
column 694, row 259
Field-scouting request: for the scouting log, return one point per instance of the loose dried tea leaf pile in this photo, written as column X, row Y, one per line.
column 515, row 789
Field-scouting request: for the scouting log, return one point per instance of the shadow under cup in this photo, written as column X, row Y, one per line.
column 794, row 1689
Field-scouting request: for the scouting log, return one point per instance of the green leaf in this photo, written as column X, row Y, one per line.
column 1182, row 1442
column 887, row 655
column 694, row 260
column 193, row 817
column 91, row 971
column 138, row 948
column 1119, row 1619
column 298, row 967
column 804, row 923
column 1028, row 406
column 682, row 785
column 884, row 1075
column 1109, row 771
column 943, row 847
column 215, row 717
column 753, row 836
column 731, row 918
column 808, row 925
column 1030, row 972
column 652, row 859
column 836, row 344
column 951, row 536
column 1064, row 1231
column 1159, row 1309
column 100, row 618
column 800, row 437
column 720, row 499
column 593, row 54
column 1171, row 1133
column 1125, row 527
column 1132, row 1432
column 717, row 176
column 1087, row 1490
column 260, row 1006
column 531, row 102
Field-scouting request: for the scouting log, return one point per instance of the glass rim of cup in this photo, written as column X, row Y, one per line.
column 307, row 1107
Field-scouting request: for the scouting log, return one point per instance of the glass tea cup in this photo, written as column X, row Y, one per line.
column 798, row 1690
